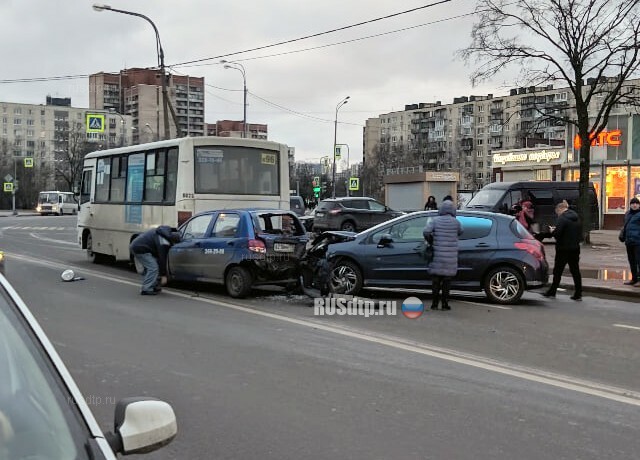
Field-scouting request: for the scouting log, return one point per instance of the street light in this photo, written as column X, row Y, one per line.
column 123, row 128
column 160, row 52
column 240, row 68
column 335, row 136
column 146, row 125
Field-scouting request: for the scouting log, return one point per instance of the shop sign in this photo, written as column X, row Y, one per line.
column 519, row 157
column 611, row 138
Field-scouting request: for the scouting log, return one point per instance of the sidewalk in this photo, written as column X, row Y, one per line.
column 21, row 212
column 603, row 265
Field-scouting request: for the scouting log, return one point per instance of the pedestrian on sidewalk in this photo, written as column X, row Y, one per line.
column 567, row 233
column 442, row 232
column 150, row 249
column 431, row 204
column 630, row 235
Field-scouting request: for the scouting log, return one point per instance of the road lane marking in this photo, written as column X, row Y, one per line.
column 44, row 238
column 626, row 326
column 485, row 305
column 553, row 379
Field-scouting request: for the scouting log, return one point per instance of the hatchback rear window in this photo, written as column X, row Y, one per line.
column 278, row 224
column 520, row 231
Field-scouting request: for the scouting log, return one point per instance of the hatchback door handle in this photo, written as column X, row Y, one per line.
column 482, row 245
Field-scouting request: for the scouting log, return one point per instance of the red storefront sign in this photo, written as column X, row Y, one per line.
column 611, row 138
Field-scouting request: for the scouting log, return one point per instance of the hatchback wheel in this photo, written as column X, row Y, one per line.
column 348, row 226
column 238, row 282
column 346, row 278
column 504, row 285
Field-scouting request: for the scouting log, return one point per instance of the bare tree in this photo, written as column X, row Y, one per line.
column 68, row 165
column 564, row 41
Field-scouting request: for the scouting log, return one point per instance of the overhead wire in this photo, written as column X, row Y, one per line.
column 285, row 42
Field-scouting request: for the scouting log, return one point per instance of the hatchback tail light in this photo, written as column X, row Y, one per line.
column 533, row 247
column 257, row 246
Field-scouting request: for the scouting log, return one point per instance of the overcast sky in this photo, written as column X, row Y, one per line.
column 293, row 88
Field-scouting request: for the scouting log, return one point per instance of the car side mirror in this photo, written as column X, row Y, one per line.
column 385, row 240
column 142, row 425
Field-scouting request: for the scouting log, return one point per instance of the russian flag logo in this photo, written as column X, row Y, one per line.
column 412, row 307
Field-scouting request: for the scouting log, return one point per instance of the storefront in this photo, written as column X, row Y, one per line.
column 528, row 164
column 615, row 168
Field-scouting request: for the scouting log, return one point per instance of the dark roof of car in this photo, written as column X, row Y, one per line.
column 343, row 198
column 531, row 184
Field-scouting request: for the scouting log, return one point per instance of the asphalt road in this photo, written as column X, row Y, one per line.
column 264, row 378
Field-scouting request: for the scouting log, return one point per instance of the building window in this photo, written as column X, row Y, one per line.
column 17, row 121
column 29, row 132
column 17, row 111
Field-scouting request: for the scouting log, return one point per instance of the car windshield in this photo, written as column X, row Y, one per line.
column 48, row 198
column 485, row 198
column 36, row 419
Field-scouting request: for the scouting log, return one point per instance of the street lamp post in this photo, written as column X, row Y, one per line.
column 335, row 137
column 146, row 125
column 240, row 68
column 160, row 52
column 123, row 128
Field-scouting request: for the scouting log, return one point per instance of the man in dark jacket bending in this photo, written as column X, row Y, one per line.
column 150, row 249
column 568, row 233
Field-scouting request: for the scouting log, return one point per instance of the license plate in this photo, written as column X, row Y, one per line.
column 282, row 247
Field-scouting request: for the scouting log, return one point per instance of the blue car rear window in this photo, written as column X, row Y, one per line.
column 474, row 227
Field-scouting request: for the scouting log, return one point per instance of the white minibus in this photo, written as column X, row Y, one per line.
column 128, row 190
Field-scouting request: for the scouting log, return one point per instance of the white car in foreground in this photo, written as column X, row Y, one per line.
column 43, row 415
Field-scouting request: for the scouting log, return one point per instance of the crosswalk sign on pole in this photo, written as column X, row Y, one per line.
column 8, row 186
column 354, row 183
column 28, row 162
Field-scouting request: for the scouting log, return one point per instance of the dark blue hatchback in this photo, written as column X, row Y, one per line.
column 496, row 254
column 239, row 248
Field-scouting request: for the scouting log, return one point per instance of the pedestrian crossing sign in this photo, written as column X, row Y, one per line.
column 8, row 186
column 95, row 123
column 28, row 162
column 354, row 183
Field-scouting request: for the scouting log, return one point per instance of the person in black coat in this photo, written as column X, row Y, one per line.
column 150, row 249
column 568, row 233
column 431, row 204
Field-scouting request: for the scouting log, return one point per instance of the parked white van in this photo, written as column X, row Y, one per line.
column 54, row 202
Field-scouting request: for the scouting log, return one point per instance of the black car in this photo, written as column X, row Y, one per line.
column 497, row 255
column 239, row 248
column 351, row 214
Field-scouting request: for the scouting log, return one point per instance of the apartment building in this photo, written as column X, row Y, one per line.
column 520, row 136
column 138, row 92
column 233, row 128
column 49, row 132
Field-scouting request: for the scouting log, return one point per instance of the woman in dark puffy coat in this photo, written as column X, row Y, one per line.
column 442, row 232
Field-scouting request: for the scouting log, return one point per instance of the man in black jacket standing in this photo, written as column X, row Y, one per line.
column 151, row 249
column 568, row 233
